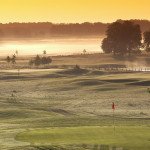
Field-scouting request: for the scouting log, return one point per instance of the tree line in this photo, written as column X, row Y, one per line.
column 125, row 37
column 29, row 30
column 48, row 29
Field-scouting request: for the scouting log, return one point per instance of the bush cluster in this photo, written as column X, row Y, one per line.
column 37, row 61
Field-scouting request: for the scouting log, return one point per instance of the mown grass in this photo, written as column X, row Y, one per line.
column 74, row 100
column 134, row 138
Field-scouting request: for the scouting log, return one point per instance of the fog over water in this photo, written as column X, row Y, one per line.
column 56, row 46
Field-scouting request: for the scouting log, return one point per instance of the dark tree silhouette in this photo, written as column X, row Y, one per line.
column 31, row 62
column 84, row 51
column 13, row 59
column 37, row 60
column 122, row 38
column 8, row 59
column 46, row 60
column 48, row 29
column 147, row 40
column 107, row 46
column 44, row 52
column 49, row 60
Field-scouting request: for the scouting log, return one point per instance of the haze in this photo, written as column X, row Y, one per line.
column 65, row 11
column 52, row 46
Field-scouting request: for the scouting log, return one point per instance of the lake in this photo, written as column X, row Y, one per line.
column 56, row 46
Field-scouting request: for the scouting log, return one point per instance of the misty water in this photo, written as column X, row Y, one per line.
column 56, row 46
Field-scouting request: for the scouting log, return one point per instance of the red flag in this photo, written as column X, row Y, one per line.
column 113, row 106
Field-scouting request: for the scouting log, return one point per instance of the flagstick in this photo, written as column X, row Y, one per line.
column 113, row 108
column 114, row 120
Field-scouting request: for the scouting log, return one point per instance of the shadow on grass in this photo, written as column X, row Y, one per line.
column 141, row 83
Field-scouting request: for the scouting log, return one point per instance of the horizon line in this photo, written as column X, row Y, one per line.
column 19, row 22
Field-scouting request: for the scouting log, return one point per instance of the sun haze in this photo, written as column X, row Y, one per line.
column 67, row 11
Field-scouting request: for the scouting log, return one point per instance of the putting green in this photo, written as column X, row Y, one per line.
column 130, row 138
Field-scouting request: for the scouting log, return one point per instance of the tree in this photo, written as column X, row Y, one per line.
column 13, row 59
column 49, row 60
column 44, row 52
column 31, row 62
column 107, row 46
column 8, row 59
column 84, row 51
column 122, row 38
column 17, row 52
column 37, row 60
column 147, row 40
column 44, row 60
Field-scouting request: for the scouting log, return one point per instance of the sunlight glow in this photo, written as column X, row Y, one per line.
column 72, row 10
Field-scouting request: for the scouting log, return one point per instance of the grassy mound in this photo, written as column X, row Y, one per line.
column 74, row 71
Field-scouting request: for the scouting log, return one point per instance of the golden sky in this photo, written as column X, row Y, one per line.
column 65, row 11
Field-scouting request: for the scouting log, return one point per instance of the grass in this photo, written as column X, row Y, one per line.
column 135, row 138
column 67, row 103
column 89, row 60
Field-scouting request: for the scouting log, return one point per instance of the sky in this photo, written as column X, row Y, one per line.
column 72, row 11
